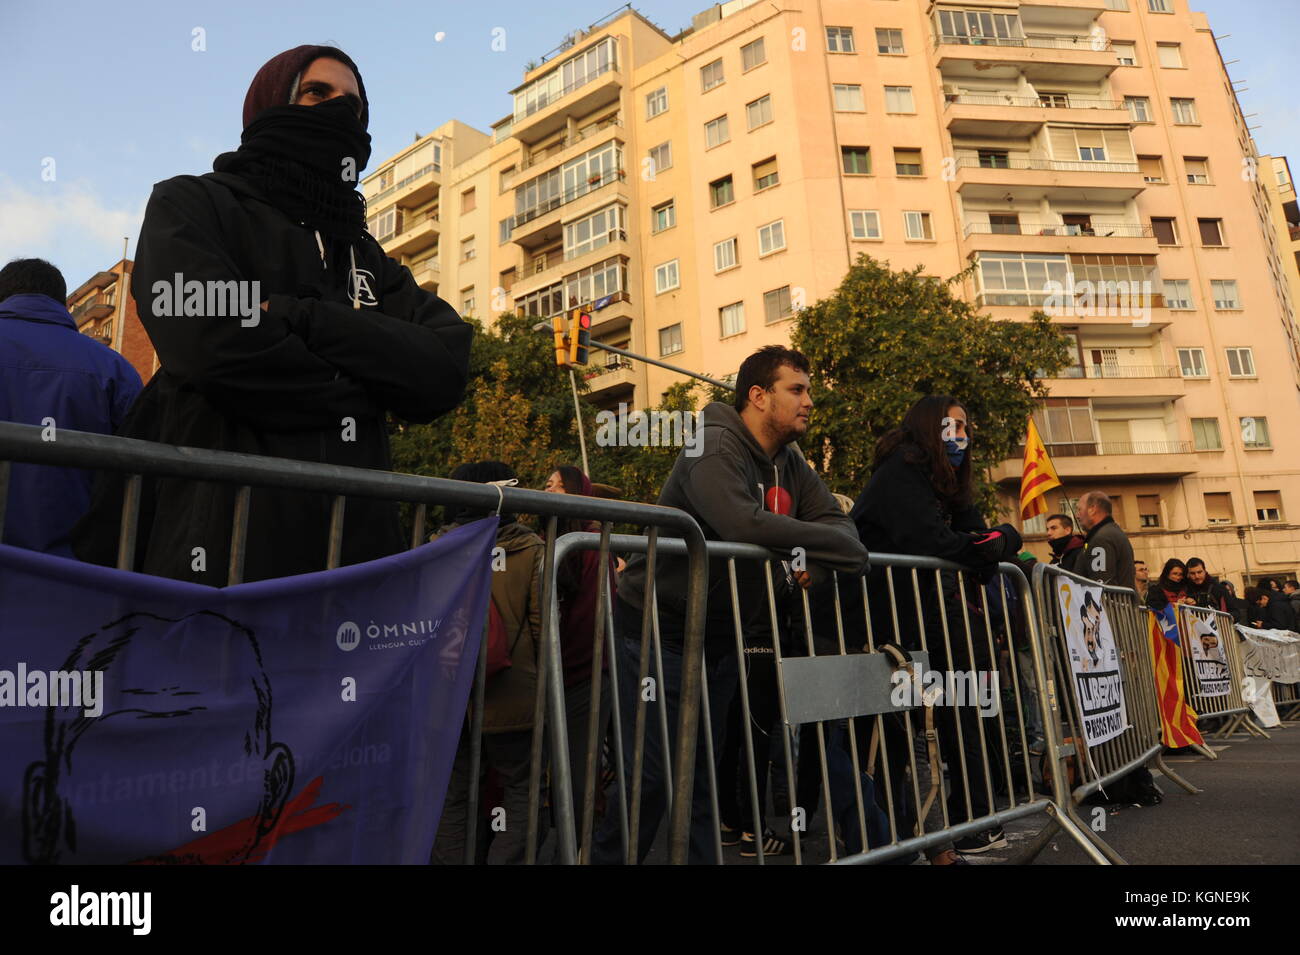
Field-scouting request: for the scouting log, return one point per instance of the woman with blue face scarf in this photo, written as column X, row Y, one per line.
column 919, row 501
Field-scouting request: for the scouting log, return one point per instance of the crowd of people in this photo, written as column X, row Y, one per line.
column 345, row 337
column 1272, row 604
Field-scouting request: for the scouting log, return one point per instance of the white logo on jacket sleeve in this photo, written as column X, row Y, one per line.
column 361, row 286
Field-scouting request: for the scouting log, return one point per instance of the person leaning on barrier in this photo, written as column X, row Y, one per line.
column 1171, row 588
column 1205, row 589
column 50, row 374
column 1108, row 555
column 282, row 329
column 1066, row 545
column 919, row 501
column 748, row 483
column 508, row 699
column 1141, row 579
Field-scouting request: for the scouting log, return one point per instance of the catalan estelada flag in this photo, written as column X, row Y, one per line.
column 1038, row 478
column 1177, row 719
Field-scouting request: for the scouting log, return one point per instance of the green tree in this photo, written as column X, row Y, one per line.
column 886, row 338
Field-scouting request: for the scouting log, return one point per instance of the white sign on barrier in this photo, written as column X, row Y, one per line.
column 1094, row 661
column 1209, row 658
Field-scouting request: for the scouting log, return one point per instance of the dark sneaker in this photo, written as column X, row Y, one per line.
column 772, row 846
column 730, row 837
column 982, row 841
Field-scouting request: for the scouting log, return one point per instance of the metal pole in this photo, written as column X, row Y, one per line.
column 577, row 413
column 1245, row 561
column 546, row 327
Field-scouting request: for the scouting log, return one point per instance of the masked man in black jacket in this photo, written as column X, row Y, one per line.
column 282, row 329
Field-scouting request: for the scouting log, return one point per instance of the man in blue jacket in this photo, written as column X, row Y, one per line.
column 56, row 378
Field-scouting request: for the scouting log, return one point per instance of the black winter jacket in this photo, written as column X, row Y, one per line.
column 310, row 378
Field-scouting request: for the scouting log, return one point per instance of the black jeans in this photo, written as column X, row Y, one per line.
column 721, row 676
column 765, row 722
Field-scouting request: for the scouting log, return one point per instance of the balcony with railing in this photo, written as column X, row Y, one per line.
column 1015, row 116
column 612, row 377
column 1119, row 238
column 1108, row 459
column 1164, row 382
column 1087, row 57
column 553, row 150
column 93, row 309
column 426, row 272
column 576, row 87
column 418, row 232
column 535, row 224
column 1039, row 177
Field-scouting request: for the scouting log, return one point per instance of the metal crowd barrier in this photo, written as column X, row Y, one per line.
column 1229, row 706
column 1139, row 744
column 833, row 708
column 1286, row 697
column 141, row 459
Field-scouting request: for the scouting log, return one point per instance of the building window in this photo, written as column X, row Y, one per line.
column 848, row 98
column 765, row 174
column 898, row 99
column 507, row 177
column 711, row 75
column 1160, row 6
column 663, row 216
column 994, row 159
column 759, row 112
column 1121, row 5
column 1149, row 510
column 776, row 304
column 1254, row 433
column 1166, row 231
column 1170, row 55
column 1178, row 293
column 839, row 40
column 1268, row 506
column 1091, row 145
column 656, row 102
column 917, row 225
column 864, row 223
column 1126, row 51
column 716, row 132
column 907, row 162
column 1225, row 294
column 732, row 319
column 1218, row 505
column 1152, row 168
column 771, row 237
column 724, row 254
column 1139, row 108
column 1198, row 170
column 1192, row 362
column 594, row 231
column 1004, row 224
column 467, row 301
column 721, row 192
column 661, row 158
column 1205, row 434
column 383, row 225
column 467, row 201
column 1184, row 111
column 889, row 42
column 1241, row 363
column 666, row 277
column 855, row 160
column 1211, row 231
column 752, row 55
column 467, row 249
column 670, row 340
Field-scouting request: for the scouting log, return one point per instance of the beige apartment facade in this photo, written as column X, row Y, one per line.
column 696, row 190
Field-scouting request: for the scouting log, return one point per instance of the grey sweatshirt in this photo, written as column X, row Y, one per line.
column 732, row 489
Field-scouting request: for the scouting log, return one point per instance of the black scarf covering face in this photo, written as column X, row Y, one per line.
column 307, row 161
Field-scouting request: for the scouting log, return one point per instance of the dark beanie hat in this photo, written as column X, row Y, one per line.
column 275, row 80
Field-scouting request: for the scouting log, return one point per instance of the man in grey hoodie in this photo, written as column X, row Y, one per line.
column 748, row 484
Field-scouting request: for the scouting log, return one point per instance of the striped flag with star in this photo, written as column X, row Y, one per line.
column 1038, row 477
column 1177, row 718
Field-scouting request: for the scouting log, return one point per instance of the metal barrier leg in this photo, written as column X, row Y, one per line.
column 1097, row 850
column 1161, row 765
column 1205, row 751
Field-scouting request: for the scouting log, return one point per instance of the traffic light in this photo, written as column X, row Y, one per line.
column 561, row 346
column 580, row 339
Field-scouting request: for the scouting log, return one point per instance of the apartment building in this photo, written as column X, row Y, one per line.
column 696, row 190
column 103, row 308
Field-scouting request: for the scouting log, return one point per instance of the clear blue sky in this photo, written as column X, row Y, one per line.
column 117, row 97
